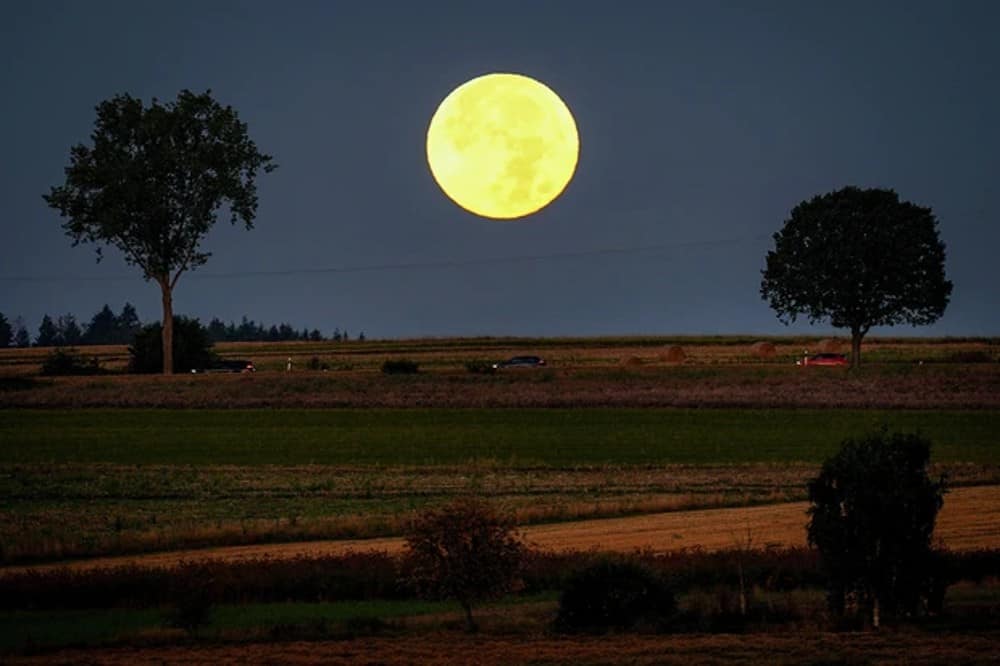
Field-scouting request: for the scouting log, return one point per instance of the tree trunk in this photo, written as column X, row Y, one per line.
column 168, row 325
column 470, row 624
column 856, row 336
column 876, row 614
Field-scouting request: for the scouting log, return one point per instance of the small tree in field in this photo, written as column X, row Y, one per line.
column 152, row 183
column 465, row 551
column 860, row 258
column 872, row 516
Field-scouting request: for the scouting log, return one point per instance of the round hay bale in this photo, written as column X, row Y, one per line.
column 631, row 361
column 673, row 354
column 763, row 349
column 829, row 345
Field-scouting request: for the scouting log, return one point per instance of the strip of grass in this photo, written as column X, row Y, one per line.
column 47, row 630
column 50, row 629
column 517, row 437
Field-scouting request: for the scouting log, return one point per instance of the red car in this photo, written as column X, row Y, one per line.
column 824, row 360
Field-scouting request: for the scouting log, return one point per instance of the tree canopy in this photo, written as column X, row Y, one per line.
column 858, row 258
column 465, row 551
column 872, row 514
column 153, row 182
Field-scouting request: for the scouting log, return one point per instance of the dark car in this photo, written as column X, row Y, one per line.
column 827, row 359
column 227, row 365
column 520, row 362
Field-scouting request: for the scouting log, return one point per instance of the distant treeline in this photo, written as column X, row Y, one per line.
column 108, row 328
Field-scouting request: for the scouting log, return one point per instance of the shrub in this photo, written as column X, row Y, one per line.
column 970, row 357
column 191, row 342
column 614, row 594
column 193, row 595
column 315, row 363
column 466, row 551
column 480, row 367
column 68, row 362
column 400, row 367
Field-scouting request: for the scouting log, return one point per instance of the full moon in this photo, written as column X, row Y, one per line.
column 502, row 146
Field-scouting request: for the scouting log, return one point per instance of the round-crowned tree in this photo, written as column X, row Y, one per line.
column 872, row 514
column 858, row 258
column 466, row 551
column 153, row 182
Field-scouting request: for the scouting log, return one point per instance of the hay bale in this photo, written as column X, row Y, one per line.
column 763, row 349
column 829, row 345
column 673, row 354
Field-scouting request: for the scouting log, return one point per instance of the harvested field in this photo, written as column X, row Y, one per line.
column 970, row 519
column 636, row 384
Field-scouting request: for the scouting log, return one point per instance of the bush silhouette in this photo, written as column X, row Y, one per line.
column 400, row 367
column 192, row 347
column 467, row 551
column 614, row 594
column 872, row 515
column 68, row 362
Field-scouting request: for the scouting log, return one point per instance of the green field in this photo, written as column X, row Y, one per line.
column 49, row 629
column 510, row 437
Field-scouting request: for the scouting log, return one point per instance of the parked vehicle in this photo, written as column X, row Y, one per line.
column 520, row 362
column 227, row 365
column 826, row 359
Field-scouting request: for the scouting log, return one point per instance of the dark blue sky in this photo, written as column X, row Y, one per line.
column 701, row 125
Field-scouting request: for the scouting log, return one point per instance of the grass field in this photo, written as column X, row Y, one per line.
column 91, row 627
column 512, row 437
column 92, row 482
column 514, row 631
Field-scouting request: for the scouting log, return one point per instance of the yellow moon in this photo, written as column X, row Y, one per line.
column 502, row 146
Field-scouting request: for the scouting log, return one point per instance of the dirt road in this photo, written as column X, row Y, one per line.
column 969, row 519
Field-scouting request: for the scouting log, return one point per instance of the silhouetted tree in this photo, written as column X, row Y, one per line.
column 128, row 324
column 860, row 258
column 6, row 332
column 465, row 551
column 102, row 328
column 21, row 336
column 216, row 330
column 872, row 514
column 48, row 334
column 153, row 182
column 192, row 349
column 69, row 331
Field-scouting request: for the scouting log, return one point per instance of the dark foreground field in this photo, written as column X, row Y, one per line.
column 451, row 648
column 169, row 467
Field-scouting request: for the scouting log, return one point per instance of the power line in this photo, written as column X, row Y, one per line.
column 367, row 268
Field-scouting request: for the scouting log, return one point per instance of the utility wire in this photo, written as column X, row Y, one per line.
column 366, row 268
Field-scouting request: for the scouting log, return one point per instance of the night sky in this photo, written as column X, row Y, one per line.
column 702, row 124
